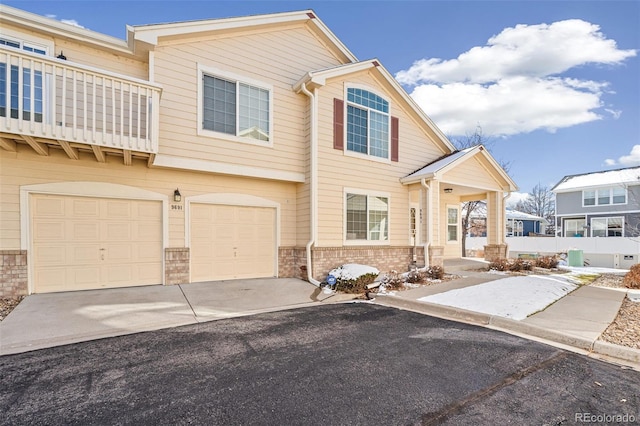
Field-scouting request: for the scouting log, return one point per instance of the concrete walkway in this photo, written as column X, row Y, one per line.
column 575, row 321
column 46, row 320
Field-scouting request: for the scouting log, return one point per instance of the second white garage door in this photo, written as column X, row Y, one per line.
column 232, row 242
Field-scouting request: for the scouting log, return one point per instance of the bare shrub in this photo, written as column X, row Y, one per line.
column 547, row 262
column 632, row 278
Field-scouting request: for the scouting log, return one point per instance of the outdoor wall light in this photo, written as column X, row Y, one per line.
column 448, row 190
column 177, row 197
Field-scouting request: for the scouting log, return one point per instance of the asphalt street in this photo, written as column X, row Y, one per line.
column 343, row 364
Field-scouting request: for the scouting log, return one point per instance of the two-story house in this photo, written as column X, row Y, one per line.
column 599, row 204
column 218, row 149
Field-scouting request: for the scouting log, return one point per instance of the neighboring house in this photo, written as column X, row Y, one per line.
column 599, row 204
column 518, row 224
column 218, row 149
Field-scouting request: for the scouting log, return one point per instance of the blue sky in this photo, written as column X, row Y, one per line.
column 555, row 85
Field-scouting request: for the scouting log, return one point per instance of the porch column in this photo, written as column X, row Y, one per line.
column 436, row 248
column 496, row 247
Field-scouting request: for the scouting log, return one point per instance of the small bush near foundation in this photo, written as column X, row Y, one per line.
column 435, row 272
column 632, row 278
column 392, row 280
column 547, row 262
column 511, row 265
column 355, row 285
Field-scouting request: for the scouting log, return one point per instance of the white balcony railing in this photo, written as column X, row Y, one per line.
column 45, row 97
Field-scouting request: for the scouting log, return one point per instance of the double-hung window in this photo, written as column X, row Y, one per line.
column 368, row 123
column 452, row 223
column 235, row 107
column 367, row 217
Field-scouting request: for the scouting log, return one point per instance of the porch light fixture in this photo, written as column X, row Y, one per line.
column 448, row 190
column 177, row 197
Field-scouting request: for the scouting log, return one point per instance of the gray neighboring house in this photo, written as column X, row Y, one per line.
column 599, row 204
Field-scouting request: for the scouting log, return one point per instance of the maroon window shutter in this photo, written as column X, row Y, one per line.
column 394, row 138
column 338, row 123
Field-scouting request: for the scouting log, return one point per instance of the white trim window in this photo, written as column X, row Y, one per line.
column 368, row 123
column 607, row 227
column 574, row 227
column 604, row 196
column 453, row 224
column 366, row 217
column 231, row 106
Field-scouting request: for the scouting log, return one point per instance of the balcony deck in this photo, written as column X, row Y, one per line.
column 47, row 102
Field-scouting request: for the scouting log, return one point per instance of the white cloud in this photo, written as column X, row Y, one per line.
column 632, row 159
column 513, row 84
column 515, row 198
column 66, row 21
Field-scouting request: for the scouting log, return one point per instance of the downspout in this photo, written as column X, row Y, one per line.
column 423, row 183
column 313, row 180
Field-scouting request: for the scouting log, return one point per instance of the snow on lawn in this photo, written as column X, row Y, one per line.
column 514, row 297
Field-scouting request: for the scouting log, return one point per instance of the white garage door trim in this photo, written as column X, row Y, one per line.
column 231, row 199
column 84, row 189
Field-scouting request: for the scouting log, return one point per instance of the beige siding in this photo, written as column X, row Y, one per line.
column 338, row 170
column 84, row 54
column 27, row 168
column 279, row 58
column 471, row 173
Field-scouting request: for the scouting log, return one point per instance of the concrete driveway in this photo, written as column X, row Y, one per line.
column 46, row 320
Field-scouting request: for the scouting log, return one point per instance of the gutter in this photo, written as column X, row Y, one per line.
column 313, row 180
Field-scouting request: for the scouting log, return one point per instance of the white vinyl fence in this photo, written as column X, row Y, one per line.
column 614, row 252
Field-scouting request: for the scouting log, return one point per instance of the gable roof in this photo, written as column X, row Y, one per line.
column 625, row 176
column 448, row 162
column 319, row 78
column 150, row 33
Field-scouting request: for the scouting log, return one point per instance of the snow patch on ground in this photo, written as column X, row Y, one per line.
column 352, row 271
column 514, row 297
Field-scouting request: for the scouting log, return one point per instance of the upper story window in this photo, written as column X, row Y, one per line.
column 19, row 44
column 604, row 196
column 236, row 107
column 368, row 123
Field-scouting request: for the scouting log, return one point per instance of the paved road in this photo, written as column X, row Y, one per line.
column 336, row 364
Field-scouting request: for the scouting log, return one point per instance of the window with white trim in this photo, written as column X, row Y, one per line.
column 368, row 123
column 367, row 217
column 237, row 108
column 574, row 227
column 453, row 223
column 32, row 111
column 604, row 196
column 607, row 227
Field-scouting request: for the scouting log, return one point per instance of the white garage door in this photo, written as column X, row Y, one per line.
column 82, row 243
column 231, row 242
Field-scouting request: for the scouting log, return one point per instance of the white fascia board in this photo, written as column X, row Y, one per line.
column 319, row 78
column 57, row 28
column 150, row 33
column 170, row 161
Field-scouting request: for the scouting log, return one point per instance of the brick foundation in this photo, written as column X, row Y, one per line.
column 436, row 255
column 176, row 265
column 494, row 252
column 13, row 273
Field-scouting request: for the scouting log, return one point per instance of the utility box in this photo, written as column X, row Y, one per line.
column 575, row 258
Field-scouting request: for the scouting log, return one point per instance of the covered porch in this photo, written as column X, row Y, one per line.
column 437, row 193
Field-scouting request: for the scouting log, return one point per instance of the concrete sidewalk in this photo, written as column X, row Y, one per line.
column 46, row 320
column 575, row 321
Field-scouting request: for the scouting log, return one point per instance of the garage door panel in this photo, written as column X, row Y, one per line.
column 231, row 242
column 100, row 243
column 87, row 208
column 49, row 230
column 83, row 231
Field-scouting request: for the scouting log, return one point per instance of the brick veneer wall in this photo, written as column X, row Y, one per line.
column 176, row 265
column 383, row 258
column 13, row 273
column 494, row 252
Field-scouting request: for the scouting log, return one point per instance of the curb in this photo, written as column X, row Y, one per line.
column 591, row 347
